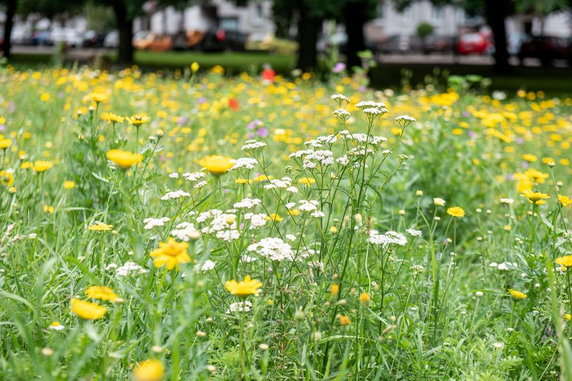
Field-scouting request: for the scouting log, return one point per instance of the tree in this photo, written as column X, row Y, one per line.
column 11, row 6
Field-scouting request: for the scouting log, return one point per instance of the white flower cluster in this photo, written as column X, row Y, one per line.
column 363, row 138
column 194, row 176
column 239, row 307
column 342, row 114
column 247, row 203
column 321, row 140
column 307, row 205
column 185, row 231
column 206, row 265
column 389, row 238
column 256, row 220
column 175, row 195
column 370, row 104
column 284, row 182
column 244, row 163
column 340, row 97
column 151, row 223
column 405, row 118
column 414, row 233
column 272, row 248
column 251, row 145
column 222, row 225
column 313, row 158
column 505, row 266
column 127, row 268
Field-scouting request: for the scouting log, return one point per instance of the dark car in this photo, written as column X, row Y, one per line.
column 400, row 44
column 93, row 39
column 546, row 49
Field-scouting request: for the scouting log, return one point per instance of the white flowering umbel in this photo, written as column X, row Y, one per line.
column 273, row 249
column 389, row 238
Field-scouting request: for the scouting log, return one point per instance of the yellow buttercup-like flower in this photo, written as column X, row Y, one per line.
column 5, row 143
column 6, row 178
column 456, row 211
column 69, row 184
column 42, row 166
column 517, row 294
column 87, row 310
column 306, row 180
column 100, row 227
column 102, row 293
column 535, row 197
column 244, row 287
column 565, row 261
column 216, row 164
column 123, row 159
column 112, row 118
column 565, row 201
column 149, row 370
column 138, row 119
column 170, row 254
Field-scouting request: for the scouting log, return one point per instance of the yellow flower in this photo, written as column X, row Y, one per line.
column 100, row 227
column 565, row 201
column 6, row 178
column 2, row 120
column 568, row 317
column 564, row 261
column 149, row 370
column 535, row 197
column 244, row 287
column 455, row 211
column 216, row 164
column 294, row 212
column 96, row 97
column 103, row 293
column 42, row 166
column 5, row 143
column 45, row 97
column 170, row 254
column 56, row 326
column 195, row 67
column 112, row 118
column 438, row 201
column 344, row 320
column 123, row 159
column 48, row 209
column 517, row 294
column 26, row 165
column 274, row 217
column 69, row 184
column 529, row 157
column 334, row 289
column 138, row 119
column 87, row 310
column 364, row 298
column 261, row 178
column 241, row 181
column 306, row 180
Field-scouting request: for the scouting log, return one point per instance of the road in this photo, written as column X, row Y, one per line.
column 88, row 54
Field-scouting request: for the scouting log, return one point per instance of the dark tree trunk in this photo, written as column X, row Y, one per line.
column 354, row 19
column 308, row 29
column 496, row 12
column 125, row 27
column 11, row 6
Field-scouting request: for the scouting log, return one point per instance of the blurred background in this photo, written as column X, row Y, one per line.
column 515, row 42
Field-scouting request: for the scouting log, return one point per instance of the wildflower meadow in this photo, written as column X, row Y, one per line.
column 197, row 226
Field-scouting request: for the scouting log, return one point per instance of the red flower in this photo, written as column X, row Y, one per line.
column 233, row 104
column 268, row 75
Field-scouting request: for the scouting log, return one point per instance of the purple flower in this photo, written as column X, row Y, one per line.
column 255, row 123
column 339, row 67
column 181, row 120
column 2, row 128
column 466, row 114
column 201, row 100
column 262, row 132
column 472, row 133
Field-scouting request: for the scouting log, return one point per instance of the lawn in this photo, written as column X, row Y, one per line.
column 215, row 227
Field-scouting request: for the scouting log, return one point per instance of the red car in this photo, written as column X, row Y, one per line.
column 474, row 43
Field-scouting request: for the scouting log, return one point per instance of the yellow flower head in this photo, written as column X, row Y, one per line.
column 216, row 164
column 87, row 310
column 170, row 254
column 138, row 119
column 456, row 211
column 364, row 298
column 306, row 180
column 344, row 320
column 565, row 261
column 102, row 293
column 565, row 201
column 535, row 197
column 334, row 289
column 244, row 287
column 69, row 184
column 42, row 166
column 112, row 118
column 6, row 178
column 100, row 227
column 517, row 294
column 274, row 217
column 96, row 97
column 5, row 143
column 149, row 370
column 123, row 159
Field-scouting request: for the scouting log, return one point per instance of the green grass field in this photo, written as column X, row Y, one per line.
column 200, row 226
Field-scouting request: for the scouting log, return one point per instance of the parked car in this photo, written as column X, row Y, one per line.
column 400, row 44
column 111, row 40
column 270, row 43
column 41, row 38
column 153, row 42
column 546, row 49
column 70, row 37
column 437, row 44
column 93, row 39
column 474, row 43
